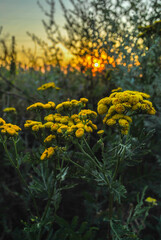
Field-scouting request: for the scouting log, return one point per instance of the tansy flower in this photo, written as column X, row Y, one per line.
column 119, row 108
column 49, row 138
column 84, row 100
column 10, row 129
column 102, row 109
column 111, row 122
column 49, row 118
column 88, row 129
column 2, row 121
column 124, row 131
column 46, row 86
column 48, row 153
column 152, row 111
column 123, row 123
column 100, row 132
column 79, row 133
column 9, row 109
column 119, row 104
column 153, row 201
column 117, row 89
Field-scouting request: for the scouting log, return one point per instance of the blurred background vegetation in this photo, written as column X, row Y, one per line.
column 112, row 44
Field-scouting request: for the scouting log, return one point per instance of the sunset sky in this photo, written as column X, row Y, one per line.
column 19, row 16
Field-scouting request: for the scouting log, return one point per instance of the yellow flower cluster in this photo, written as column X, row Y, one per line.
column 34, row 125
column 66, row 125
column 87, row 114
column 70, row 105
column 63, row 122
column 39, row 105
column 48, row 153
column 9, row 109
column 8, row 128
column 69, row 125
column 118, row 105
column 47, row 86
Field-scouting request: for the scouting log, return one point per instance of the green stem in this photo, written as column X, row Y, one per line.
column 96, row 163
column 89, row 157
column 76, row 164
column 15, row 147
column 90, row 150
column 46, row 210
column 21, row 177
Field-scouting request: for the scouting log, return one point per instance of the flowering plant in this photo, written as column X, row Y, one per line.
column 64, row 132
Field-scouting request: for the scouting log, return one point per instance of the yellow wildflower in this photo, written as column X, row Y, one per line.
column 59, row 107
column 106, row 117
column 94, row 126
column 151, row 200
column 145, row 95
column 100, row 132
column 152, row 111
column 123, row 96
column 70, row 130
column 88, row 128
column 115, row 101
column 110, row 122
column 80, row 125
column 54, row 127
column 2, row 121
column 111, row 110
column 9, row 109
column 48, row 153
column 49, row 118
column 102, row 109
column 124, row 131
column 129, row 119
column 87, row 113
column 35, row 105
column 47, row 106
column 49, row 138
column 79, row 133
column 136, row 106
column 46, row 86
column 35, row 128
column 48, row 124
column 84, row 100
column 52, row 104
column 117, row 89
column 104, row 101
column 145, row 107
column 134, row 99
column 70, row 122
column 123, row 123
column 126, row 105
column 10, row 129
column 66, row 104
column 64, row 119
column 119, row 108
column 117, row 116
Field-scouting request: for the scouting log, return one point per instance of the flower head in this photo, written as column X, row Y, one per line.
column 47, row 86
column 153, row 201
column 9, row 109
column 119, row 105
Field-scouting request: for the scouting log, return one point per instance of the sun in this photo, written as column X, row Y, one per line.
column 96, row 65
